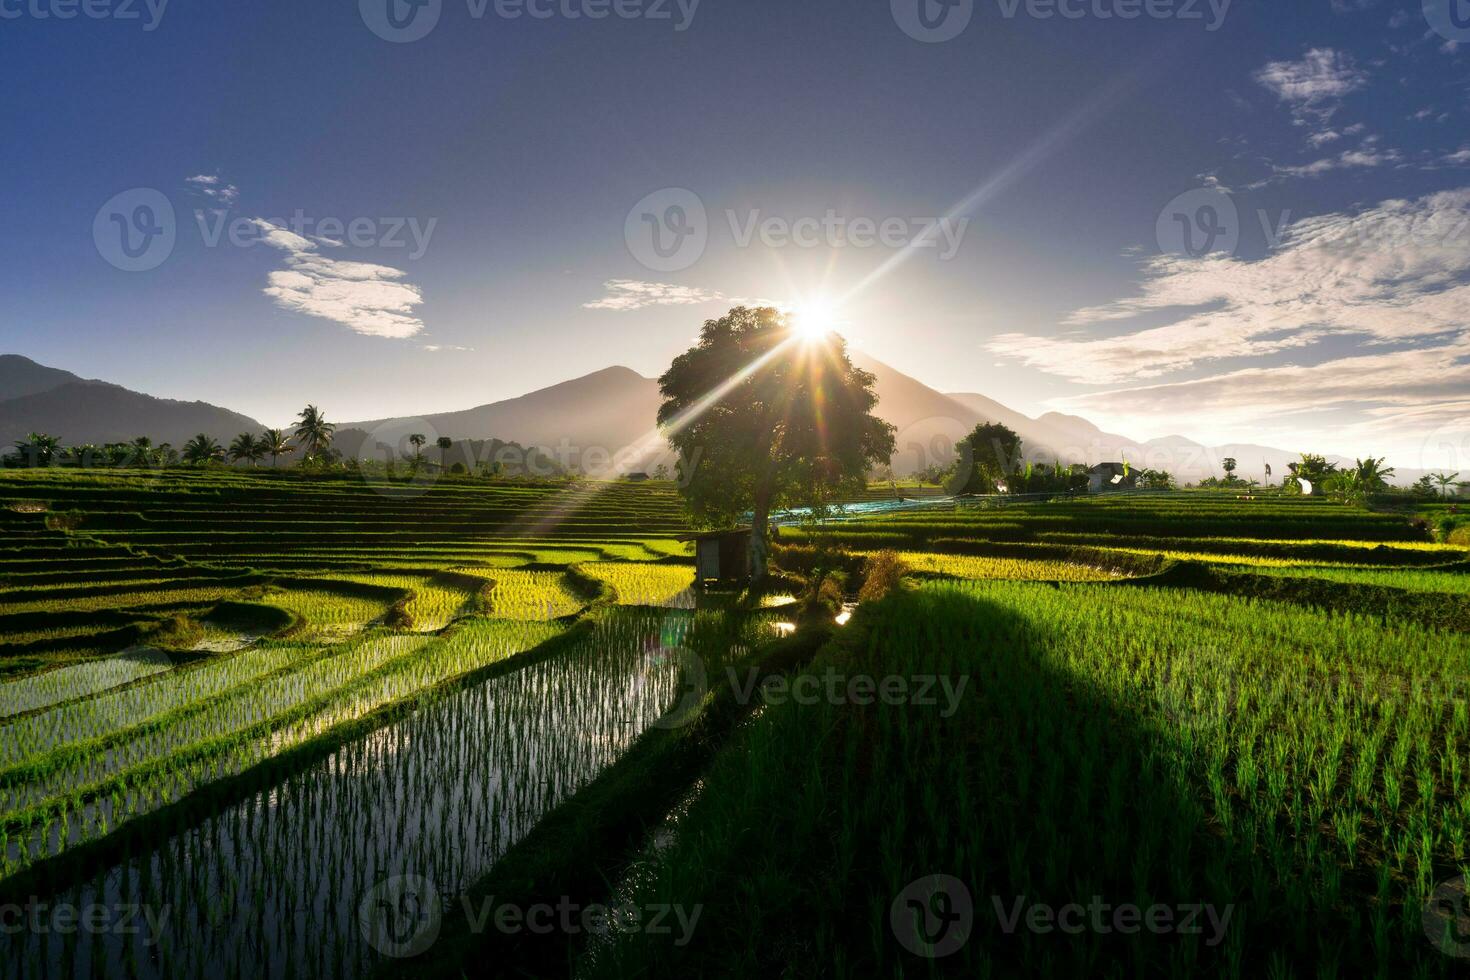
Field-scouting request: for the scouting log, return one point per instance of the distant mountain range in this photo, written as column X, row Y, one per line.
column 35, row 398
column 586, row 422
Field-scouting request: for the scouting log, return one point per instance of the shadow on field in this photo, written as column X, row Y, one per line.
column 1035, row 826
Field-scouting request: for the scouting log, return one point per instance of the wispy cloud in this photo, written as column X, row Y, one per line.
column 214, row 188
column 1347, row 160
column 1398, row 272
column 1314, row 86
column 633, row 294
column 369, row 299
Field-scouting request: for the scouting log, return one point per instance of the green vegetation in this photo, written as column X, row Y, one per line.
column 260, row 694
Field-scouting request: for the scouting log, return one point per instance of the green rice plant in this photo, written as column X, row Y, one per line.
column 966, row 566
column 532, row 595
column 68, row 683
column 641, row 584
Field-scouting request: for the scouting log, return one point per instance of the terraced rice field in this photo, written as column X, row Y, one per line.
column 268, row 701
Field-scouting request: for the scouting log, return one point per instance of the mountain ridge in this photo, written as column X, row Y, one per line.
column 589, row 422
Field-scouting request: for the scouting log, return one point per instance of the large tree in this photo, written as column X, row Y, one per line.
column 765, row 418
column 988, row 458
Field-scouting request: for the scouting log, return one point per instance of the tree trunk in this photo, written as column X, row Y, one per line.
column 760, row 547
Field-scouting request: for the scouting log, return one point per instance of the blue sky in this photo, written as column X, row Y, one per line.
column 468, row 205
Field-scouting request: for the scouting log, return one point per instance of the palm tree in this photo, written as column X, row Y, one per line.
column 273, row 443
column 38, row 448
column 1444, row 480
column 1373, row 475
column 245, row 447
column 141, row 450
column 1228, row 464
column 87, row 454
column 314, row 431
column 417, row 442
column 443, row 442
column 203, row 449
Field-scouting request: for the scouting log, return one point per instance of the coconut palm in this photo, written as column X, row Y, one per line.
column 141, row 450
column 88, row 454
column 1228, row 464
column 1444, row 481
column 444, row 442
column 38, row 449
column 314, row 431
column 417, row 442
column 273, row 443
column 203, row 449
column 1373, row 475
column 246, row 448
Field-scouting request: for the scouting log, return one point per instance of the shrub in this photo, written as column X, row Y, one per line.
column 881, row 575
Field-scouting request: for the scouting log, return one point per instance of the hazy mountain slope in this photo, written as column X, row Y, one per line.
column 95, row 412
column 603, row 411
column 36, row 398
column 21, row 376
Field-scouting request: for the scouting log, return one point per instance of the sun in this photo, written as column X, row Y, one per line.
column 815, row 318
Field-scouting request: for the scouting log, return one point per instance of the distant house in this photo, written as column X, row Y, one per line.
column 721, row 556
column 1107, row 477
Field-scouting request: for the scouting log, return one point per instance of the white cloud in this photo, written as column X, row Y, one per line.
column 634, row 294
column 1408, row 404
column 212, row 187
column 1398, row 272
column 1313, row 86
column 364, row 297
column 1348, row 159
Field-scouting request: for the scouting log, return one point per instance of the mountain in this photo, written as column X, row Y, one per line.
column 36, row 398
column 588, row 424
column 582, row 422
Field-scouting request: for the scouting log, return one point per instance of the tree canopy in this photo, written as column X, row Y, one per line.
column 763, row 419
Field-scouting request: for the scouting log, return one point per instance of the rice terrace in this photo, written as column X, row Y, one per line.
column 641, row 489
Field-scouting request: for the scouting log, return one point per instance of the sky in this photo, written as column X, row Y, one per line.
column 1236, row 221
